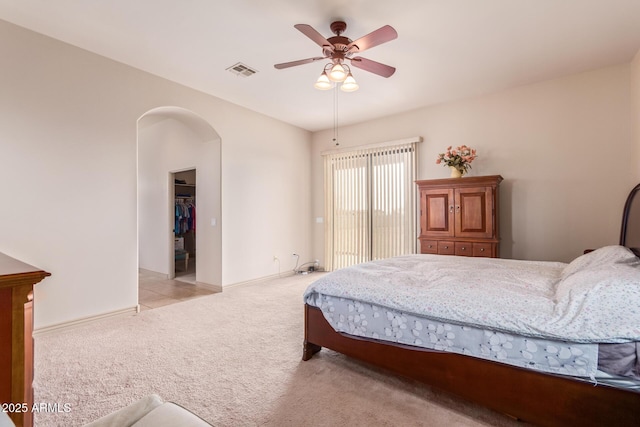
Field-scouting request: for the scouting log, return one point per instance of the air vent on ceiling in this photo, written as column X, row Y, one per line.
column 242, row 70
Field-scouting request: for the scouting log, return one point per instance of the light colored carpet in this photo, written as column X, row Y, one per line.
column 233, row 358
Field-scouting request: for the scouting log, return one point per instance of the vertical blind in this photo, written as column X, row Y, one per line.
column 370, row 204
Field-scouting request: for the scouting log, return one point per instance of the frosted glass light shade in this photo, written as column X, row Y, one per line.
column 349, row 84
column 323, row 82
column 337, row 73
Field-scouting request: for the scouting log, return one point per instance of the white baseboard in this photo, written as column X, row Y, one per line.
column 260, row 279
column 214, row 288
column 153, row 273
column 83, row 321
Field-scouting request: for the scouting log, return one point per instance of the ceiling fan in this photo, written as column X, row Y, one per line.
column 339, row 48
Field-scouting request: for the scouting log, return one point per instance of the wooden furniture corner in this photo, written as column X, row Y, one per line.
column 16, row 335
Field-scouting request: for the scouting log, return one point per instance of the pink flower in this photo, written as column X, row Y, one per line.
column 460, row 157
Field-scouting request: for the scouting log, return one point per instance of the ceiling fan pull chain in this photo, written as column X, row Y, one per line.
column 335, row 114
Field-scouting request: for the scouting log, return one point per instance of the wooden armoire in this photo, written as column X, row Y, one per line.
column 459, row 216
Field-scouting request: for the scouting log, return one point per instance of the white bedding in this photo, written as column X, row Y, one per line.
column 596, row 298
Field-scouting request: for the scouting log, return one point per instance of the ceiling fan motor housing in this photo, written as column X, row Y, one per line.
column 339, row 48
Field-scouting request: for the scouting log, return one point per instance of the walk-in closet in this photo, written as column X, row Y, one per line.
column 185, row 225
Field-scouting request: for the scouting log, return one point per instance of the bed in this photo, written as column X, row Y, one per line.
column 569, row 356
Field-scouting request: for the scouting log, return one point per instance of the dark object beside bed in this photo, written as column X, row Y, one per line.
column 538, row 398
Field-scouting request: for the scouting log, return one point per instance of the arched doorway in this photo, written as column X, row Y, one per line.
column 172, row 140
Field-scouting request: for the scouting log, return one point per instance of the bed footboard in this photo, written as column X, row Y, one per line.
column 531, row 396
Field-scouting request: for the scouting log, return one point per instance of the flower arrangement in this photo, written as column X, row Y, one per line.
column 459, row 158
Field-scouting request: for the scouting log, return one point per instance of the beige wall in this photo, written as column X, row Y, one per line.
column 68, row 156
column 562, row 147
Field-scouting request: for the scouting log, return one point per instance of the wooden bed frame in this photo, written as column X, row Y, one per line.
column 531, row 396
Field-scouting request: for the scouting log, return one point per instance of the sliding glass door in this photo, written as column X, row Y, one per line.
column 370, row 204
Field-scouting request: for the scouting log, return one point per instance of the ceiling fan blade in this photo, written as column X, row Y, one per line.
column 375, row 38
column 373, row 66
column 310, row 32
column 299, row 62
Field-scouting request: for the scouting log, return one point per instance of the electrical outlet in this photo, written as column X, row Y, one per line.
column 275, row 258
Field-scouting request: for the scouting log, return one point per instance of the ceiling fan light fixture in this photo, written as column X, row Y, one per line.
column 337, row 73
column 323, row 82
column 349, row 84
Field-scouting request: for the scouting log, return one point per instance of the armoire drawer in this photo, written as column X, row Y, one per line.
column 483, row 249
column 446, row 248
column 429, row 246
column 464, row 248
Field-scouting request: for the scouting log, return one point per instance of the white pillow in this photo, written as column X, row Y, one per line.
column 595, row 268
column 601, row 303
column 599, row 258
column 599, row 281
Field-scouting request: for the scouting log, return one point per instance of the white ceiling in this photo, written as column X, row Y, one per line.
column 445, row 50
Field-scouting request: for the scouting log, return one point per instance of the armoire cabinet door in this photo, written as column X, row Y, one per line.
column 473, row 212
column 438, row 210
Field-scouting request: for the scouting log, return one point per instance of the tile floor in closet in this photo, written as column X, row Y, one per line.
column 154, row 291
